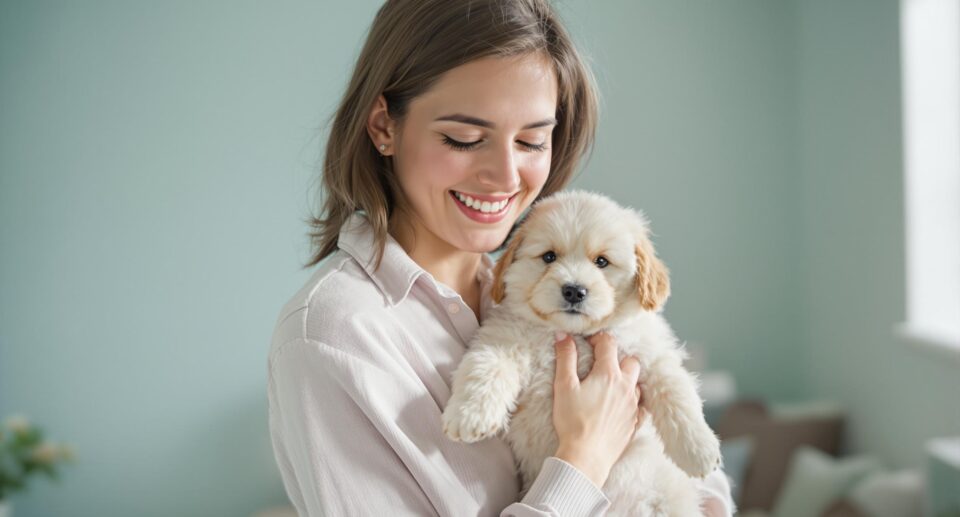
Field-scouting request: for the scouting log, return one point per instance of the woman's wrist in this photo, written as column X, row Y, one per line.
column 584, row 462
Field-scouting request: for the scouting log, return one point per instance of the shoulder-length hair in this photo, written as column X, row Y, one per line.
column 410, row 44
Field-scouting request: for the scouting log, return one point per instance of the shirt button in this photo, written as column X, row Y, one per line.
column 453, row 308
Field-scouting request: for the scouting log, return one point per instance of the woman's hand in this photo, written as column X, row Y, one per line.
column 595, row 419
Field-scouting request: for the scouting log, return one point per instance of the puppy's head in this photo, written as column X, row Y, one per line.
column 579, row 262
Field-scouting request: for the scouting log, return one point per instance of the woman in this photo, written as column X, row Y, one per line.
column 459, row 114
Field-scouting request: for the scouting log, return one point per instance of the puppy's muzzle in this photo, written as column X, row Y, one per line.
column 573, row 293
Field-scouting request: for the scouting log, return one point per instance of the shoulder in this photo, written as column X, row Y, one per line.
column 334, row 307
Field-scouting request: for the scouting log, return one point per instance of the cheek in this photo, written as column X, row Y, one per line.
column 426, row 168
column 521, row 275
column 536, row 171
column 626, row 285
column 447, row 168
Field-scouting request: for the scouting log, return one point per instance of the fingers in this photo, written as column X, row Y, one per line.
column 604, row 349
column 604, row 353
column 640, row 406
column 641, row 417
column 630, row 367
column 566, row 360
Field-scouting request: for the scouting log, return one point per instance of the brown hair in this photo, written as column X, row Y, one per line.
column 411, row 43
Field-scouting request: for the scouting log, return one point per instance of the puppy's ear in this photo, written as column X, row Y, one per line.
column 498, row 289
column 653, row 277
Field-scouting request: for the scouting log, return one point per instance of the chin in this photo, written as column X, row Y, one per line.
column 573, row 323
column 483, row 242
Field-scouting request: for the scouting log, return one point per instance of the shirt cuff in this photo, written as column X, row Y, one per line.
column 567, row 491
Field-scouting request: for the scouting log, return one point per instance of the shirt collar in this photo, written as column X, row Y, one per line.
column 397, row 271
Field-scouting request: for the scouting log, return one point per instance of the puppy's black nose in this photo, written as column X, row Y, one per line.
column 573, row 293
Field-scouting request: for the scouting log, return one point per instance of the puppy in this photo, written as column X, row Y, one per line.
column 580, row 263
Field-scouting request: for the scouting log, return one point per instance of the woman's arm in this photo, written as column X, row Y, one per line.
column 352, row 438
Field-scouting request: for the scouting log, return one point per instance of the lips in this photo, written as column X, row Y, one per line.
column 473, row 207
column 484, row 204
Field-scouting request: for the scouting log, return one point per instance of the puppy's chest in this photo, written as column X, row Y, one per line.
column 537, row 389
column 539, row 384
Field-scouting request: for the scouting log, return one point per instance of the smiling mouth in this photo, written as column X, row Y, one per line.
column 484, row 207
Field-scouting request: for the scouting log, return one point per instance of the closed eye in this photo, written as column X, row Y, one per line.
column 534, row 147
column 466, row 146
column 458, row 145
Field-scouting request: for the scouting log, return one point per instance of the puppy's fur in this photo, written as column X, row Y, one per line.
column 505, row 380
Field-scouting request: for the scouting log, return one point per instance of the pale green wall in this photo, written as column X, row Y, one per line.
column 852, row 235
column 698, row 130
column 155, row 163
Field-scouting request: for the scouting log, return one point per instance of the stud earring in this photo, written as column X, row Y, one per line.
column 383, row 147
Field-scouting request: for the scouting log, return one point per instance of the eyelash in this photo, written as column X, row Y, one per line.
column 466, row 146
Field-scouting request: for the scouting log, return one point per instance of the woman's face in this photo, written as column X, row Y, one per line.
column 481, row 134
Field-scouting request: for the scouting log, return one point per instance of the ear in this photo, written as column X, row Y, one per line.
column 498, row 289
column 381, row 127
column 653, row 277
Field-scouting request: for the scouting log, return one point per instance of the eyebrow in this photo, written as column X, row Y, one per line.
column 466, row 119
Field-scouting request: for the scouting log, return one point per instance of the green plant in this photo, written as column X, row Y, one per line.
column 23, row 452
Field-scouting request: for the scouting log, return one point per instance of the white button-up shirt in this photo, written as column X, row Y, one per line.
column 359, row 371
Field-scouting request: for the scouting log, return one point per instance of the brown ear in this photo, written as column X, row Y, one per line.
column 498, row 289
column 653, row 278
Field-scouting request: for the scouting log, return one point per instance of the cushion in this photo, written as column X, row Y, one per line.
column 776, row 434
column 943, row 477
column 814, row 480
column 890, row 494
column 843, row 508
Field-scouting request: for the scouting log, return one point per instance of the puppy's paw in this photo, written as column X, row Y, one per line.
column 700, row 454
column 469, row 423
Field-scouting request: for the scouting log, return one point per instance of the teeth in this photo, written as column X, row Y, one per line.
column 485, row 207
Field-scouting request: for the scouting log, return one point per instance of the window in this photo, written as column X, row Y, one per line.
column 930, row 57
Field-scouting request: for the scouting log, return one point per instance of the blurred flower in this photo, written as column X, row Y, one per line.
column 45, row 453
column 18, row 424
column 24, row 453
column 68, row 453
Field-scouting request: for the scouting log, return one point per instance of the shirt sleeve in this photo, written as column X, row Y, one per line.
column 347, row 443
column 560, row 489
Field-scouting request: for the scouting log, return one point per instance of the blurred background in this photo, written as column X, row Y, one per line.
column 157, row 160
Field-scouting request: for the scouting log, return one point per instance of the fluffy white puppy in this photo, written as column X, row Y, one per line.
column 581, row 263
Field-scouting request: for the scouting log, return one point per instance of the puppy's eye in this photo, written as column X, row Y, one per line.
column 601, row 262
column 549, row 257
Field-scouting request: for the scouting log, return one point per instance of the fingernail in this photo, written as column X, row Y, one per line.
column 560, row 336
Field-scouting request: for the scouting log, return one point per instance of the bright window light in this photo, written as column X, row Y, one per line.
column 930, row 57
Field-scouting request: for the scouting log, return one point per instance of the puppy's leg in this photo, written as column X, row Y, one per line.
column 670, row 394
column 484, row 393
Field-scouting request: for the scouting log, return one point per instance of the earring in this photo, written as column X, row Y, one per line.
column 383, row 147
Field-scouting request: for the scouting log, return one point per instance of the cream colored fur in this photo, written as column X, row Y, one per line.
column 505, row 380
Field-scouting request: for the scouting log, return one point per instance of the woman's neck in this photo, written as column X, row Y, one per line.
column 453, row 267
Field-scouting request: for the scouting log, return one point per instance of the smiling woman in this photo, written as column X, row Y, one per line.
column 503, row 162
column 484, row 77
column 460, row 115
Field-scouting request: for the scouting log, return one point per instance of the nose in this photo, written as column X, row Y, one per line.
column 573, row 293
column 500, row 173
